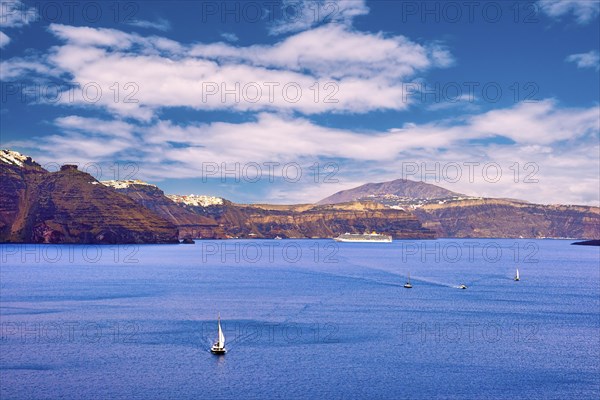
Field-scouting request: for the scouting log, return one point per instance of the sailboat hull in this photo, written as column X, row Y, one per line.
column 218, row 351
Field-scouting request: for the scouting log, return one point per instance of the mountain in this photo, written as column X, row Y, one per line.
column 452, row 214
column 70, row 206
column 400, row 188
column 190, row 224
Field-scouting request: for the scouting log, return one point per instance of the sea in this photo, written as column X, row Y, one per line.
column 303, row 319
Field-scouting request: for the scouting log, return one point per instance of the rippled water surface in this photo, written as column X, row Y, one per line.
column 305, row 319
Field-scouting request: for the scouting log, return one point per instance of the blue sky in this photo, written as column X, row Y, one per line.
column 235, row 99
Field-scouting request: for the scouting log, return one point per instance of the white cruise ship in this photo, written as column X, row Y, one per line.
column 364, row 238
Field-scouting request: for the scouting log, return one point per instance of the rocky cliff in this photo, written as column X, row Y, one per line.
column 19, row 175
column 309, row 221
column 70, row 206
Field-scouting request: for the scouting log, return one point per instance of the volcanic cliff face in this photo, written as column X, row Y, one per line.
column 190, row 224
column 309, row 221
column 70, row 206
column 510, row 219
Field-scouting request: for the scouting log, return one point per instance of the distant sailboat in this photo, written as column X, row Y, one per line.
column 219, row 346
column 517, row 275
column 407, row 284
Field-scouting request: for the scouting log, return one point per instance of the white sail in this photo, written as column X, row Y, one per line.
column 517, row 276
column 221, row 342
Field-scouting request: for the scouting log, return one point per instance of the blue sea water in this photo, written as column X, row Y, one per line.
column 304, row 319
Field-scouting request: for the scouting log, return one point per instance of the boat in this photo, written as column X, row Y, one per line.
column 517, row 275
column 373, row 237
column 277, row 237
column 407, row 284
column 462, row 286
column 219, row 346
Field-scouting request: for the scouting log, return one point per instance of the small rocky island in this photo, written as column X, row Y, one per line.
column 595, row 242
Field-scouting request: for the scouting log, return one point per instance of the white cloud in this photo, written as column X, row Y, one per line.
column 95, row 126
column 23, row 67
column 465, row 102
column 297, row 15
column 161, row 24
column 591, row 59
column 562, row 144
column 356, row 72
column 85, row 36
column 334, row 51
column 537, row 123
column 72, row 146
column 584, row 11
column 14, row 14
column 230, row 37
column 4, row 39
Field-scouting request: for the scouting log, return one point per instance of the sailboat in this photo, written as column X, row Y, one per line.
column 517, row 275
column 407, row 284
column 219, row 346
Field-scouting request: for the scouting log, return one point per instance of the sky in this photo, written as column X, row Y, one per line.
column 292, row 101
